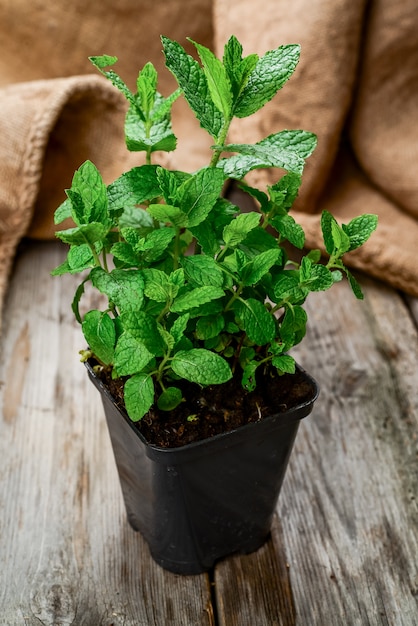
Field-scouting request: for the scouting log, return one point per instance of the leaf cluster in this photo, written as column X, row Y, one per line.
column 195, row 288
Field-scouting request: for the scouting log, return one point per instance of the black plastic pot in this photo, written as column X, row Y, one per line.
column 205, row 500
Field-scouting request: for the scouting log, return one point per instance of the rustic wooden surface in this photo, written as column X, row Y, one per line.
column 344, row 545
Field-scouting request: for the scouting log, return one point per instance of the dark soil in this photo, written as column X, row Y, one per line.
column 216, row 409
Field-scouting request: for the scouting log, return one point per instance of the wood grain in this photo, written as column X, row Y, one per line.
column 67, row 554
column 344, row 544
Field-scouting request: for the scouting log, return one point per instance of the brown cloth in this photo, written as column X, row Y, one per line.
column 356, row 87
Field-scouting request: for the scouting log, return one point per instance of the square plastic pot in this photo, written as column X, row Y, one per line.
column 209, row 499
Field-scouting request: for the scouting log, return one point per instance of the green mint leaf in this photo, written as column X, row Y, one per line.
column 321, row 278
column 340, row 238
column 305, row 271
column 360, row 229
column 80, row 258
column 124, row 288
column 326, row 226
column 63, row 212
column 217, row 79
column 168, row 214
column 302, row 142
column 201, row 366
column 284, row 364
column 290, row 230
column 169, row 399
column 287, row 288
column 124, row 253
column 99, row 332
column 144, row 328
column 134, row 187
column 268, row 76
column 147, row 87
column 237, row 68
column 254, row 270
column 157, row 242
column 105, row 60
column 88, row 196
column 139, row 136
column 131, row 355
column 248, row 380
column 209, row 326
column 202, row 270
column 179, row 327
column 169, row 182
column 236, row 231
column 163, row 106
column 158, row 286
column 196, row 297
column 138, row 395
column 257, row 322
column 314, row 255
column 293, row 326
column 192, row 80
column 257, row 156
column 86, row 233
column 355, row 287
column 284, row 192
column 198, row 194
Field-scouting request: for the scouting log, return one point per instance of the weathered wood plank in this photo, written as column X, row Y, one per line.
column 67, row 553
column 348, row 523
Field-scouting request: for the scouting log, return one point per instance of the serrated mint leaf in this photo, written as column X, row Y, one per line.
column 284, row 363
column 131, row 355
column 268, row 76
column 134, row 187
column 340, row 238
column 191, row 78
column 158, row 286
column 326, row 226
column 157, row 242
column 99, row 332
column 248, row 375
column 217, row 79
column 284, row 192
column 138, row 396
column 237, row 68
column 144, row 328
column 169, row 182
column 198, row 194
column 290, row 230
column 169, row 214
column 179, row 327
column 301, row 142
column 209, row 326
column 80, row 258
column 88, row 196
column 86, row 233
column 360, row 229
column 293, row 326
column 63, row 212
column 257, row 322
column 196, row 297
column 254, row 270
column 253, row 156
column 236, row 231
column 125, row 288
column 105, row 60
column 287, row 288
column 202, row 270
column 305, row 270
column 139, row 136
column 201, row 366
column 124, row 252
column 147, row 87
column 355, row 287
column 169, row 399
column 320, row 279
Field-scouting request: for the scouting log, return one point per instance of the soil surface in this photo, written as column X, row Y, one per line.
column 216, row 409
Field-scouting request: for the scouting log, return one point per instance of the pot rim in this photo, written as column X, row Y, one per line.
column 221, row 440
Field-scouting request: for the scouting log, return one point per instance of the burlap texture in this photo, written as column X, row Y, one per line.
column 356, row 87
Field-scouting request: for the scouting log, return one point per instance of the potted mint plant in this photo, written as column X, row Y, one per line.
column 190, row 350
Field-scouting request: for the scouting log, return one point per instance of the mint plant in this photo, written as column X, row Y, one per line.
column 195, row 288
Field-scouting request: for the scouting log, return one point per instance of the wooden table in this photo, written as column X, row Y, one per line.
column 344, row 546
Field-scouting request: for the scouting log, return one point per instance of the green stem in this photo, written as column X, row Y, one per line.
column 220, row 142
column 235, row 296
